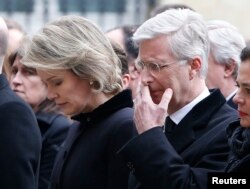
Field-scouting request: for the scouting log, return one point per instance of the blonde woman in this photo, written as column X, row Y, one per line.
column 83, row 76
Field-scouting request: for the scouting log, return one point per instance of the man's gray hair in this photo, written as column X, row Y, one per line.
column 185, row 31
column 226, row 43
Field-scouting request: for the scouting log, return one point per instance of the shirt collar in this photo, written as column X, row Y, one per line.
column 181, row 113
column 231, row 95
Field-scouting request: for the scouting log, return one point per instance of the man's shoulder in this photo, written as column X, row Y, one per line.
column 217, row 103
column 226, row 111
column 214, row 110
column 9, row 97
column 11, row 104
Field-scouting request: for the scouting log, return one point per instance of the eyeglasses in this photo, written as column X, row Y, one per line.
column 153, row 68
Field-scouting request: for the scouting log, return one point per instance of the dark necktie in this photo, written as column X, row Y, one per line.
column 169, row 125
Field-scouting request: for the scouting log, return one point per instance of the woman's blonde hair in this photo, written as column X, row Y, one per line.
column 74, row 43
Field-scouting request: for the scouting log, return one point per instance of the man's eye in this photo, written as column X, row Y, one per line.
column 153, row 67
column 139, row 65
column 247, row 90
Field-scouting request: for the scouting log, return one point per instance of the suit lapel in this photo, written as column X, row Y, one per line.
column 195, row 123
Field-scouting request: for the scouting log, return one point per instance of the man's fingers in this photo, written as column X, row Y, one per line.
column 144, row 91
column 166, row 97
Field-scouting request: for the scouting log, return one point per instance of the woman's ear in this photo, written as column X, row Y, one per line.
column 134, row 74
column 125, row 80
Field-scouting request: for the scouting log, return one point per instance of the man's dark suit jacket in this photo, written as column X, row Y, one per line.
column 20, row 141
column 182, row 158
column 231, row 103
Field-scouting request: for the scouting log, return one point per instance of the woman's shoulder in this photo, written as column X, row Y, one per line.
column 53, row 124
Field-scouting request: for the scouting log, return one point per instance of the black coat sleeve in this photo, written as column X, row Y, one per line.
column 20, row 145
column 156, row 164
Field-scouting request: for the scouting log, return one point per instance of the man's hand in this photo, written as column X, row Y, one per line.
column 147, row 113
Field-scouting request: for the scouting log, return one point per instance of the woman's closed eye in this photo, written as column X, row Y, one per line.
column 30, row 71
column 56, row 82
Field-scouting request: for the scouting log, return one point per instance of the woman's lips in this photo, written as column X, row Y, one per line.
column 242, row 114
column 18, row 91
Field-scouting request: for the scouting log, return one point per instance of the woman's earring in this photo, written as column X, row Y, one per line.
column 91, row 83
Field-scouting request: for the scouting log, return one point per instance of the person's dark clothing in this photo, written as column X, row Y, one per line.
column 183, row 157
column 231, row 103
column 239, row 141
column 88, row 158
column 54, row 128
column 20, row 141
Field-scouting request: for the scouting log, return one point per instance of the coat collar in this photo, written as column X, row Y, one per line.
column 119, row 101
column 195, row 121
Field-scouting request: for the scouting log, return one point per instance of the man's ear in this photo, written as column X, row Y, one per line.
column 195, row 66
column 229, row 68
